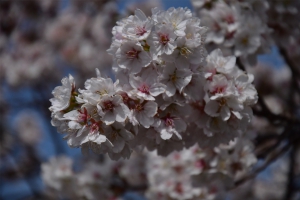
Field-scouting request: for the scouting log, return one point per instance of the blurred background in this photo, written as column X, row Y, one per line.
column 42, row 41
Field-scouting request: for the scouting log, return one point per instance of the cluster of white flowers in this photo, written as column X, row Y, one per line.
column 168, row 94
column 199, row 173
column 92, row 182
column 193, row 173
column 237, row 27
column 81, row 38
column 28, row 127
column 27, row 63
column 52, row 39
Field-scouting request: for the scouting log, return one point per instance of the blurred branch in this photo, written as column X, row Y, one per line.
column 265, row 111
column 273, row 157
column 288, row 61
column 240, row 64
column 290, row 181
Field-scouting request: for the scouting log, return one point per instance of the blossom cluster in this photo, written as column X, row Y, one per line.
column 197, row 173
column 168, row 94
column 193, row 173
column 66, row 178
column 52, row 38
column 91, row 182
column 237, row 27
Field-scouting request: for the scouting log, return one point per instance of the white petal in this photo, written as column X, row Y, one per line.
column 74, row 125
column 150, row 108
column 119, row 144
column 211, row 108
column 225, row 113
column 109, row 118
column 144, row 120
column 99, row 138
column 165, row 135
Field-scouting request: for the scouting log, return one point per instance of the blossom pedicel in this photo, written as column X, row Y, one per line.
column 168, row 94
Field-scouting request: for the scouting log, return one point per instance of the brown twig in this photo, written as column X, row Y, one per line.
column 269, row 160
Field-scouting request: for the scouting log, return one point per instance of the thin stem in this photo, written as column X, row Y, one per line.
column 290, row 188
column 269, row 160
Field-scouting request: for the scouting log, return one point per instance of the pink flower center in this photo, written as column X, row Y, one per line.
column 140, row 30
column 200, row 164
column 94, row 128
column 108, row 106
column 177, row 156
column 230, row 35
column 229, row 19
column 178, row 169
column 164, row 38
column 144, row 89
column 139, row 107
column 133, row 54
column 199, row 106
column 169, row 121
column 83, row 116
column 178, row 188
column 125, row 97
column 219, row 90
column 216, row 27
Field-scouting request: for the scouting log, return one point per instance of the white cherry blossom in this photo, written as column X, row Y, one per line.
column 62, row 94
column 131, row 56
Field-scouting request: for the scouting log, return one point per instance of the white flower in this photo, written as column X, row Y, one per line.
column 139, row 28
column 221, row 87
column 143, row 113
column 176, row 18
column 183, row 55
column 146, row 86
column 83, row 128
column 194, row 33
column 131, row 56
column 62, row 94
column 118, row 136
column 112, row 108
column 224, row 65
column 175, row 78
column 246, row 42
column 57, row 172
column 162, row 41
column 96, row 88
column 169, row 125
column 247, row 92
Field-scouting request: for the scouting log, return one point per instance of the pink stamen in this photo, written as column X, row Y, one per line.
column 219, row 90
column 164, row 38
column 83, row 116
column 94, row 128
column 140, row 30
column 144, row 89
column 133, row 54
column 200, row 164
column 229, row 19
column 108, row 105
column 139, row 107
column 169, row 121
